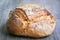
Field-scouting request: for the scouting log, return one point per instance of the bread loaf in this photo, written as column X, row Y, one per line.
column 31, row 20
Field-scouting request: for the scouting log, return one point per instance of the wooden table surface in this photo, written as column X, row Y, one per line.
column 6, row 5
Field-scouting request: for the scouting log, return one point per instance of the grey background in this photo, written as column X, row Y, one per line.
column 6, row 5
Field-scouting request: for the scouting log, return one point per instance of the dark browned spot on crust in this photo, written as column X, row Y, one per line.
column 47, row 12
column 22, row 12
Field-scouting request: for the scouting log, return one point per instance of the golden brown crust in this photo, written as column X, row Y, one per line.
column 20, row 13
column 39, row 24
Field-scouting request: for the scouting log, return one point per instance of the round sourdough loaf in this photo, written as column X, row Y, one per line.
column 31, row 20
